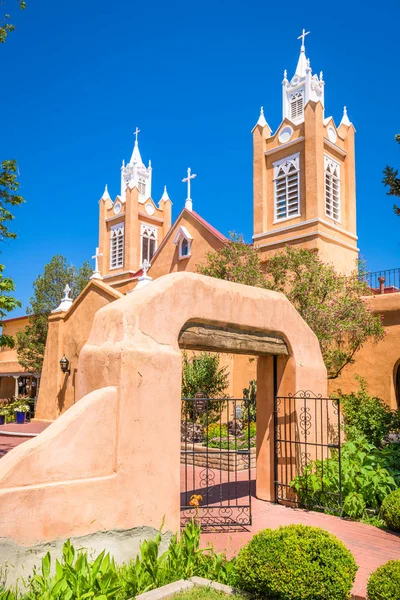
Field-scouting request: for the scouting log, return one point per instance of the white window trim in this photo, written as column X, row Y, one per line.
column 298, row 118
column 113, row 228
column 294, row 158
column 183, row 234
column 329, row 160
column 145, row 228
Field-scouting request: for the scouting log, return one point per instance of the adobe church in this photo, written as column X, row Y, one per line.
column 304, row 195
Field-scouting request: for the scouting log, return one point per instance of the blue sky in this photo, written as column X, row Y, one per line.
column 82, row 74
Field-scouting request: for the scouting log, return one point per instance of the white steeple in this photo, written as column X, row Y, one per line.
column 261, row 119
column 345, row 119
column 136, row 174
column 302, row 88
column 106, row 195
column 165, row 196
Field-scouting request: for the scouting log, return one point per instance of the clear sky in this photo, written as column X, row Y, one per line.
column 80, row 75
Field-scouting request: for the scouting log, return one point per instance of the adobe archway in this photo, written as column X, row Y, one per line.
column 112, row 461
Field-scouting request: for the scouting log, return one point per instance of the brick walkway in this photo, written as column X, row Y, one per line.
column 8, row 442
column 370, row 546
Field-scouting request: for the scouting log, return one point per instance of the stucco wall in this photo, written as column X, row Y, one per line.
column 68, row 332
column 377, row 363
column 113, row 460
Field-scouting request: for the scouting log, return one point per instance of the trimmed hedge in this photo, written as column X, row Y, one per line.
column 384, row 583
column 296, row 562
column 390, row 510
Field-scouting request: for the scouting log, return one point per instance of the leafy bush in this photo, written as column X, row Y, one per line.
column 369, row 474
column 202, row 373
column 390, row 510
column 297, row 562
column 384, row 583
column 367, row 415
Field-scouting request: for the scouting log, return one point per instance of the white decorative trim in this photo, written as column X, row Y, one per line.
column 183, row 235
column 335, row 147
column 332, row 171
column 285, row 134
column 150, row 232
column 117, row 232
column 279, row 148
column 308, row 235
column 302, row 224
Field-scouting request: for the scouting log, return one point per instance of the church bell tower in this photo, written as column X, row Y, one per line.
column 304, row 175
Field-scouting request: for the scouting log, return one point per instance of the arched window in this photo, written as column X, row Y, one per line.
column 148, row 243
column 185, row 247
column 117, row 246
column 296, row 106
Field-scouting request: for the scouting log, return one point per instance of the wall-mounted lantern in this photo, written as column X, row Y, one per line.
column 64, row 364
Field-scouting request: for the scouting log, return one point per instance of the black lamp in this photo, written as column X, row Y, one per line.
column 64, row 364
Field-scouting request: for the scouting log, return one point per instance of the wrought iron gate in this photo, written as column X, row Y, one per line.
column 307, row 449
column 217, row 457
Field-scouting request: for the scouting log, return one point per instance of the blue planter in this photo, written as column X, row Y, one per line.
column 20, row 417
column 2, row 419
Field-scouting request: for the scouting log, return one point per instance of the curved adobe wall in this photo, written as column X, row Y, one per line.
column 122, row 469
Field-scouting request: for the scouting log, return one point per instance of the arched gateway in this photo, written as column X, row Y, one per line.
column 112, row 461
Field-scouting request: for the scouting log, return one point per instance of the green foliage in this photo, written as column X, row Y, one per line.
column 183, row 559
column 384, row 583
column 236, row 261
column 368, row 415
column 48, row 289
column 297, row 562
column 5, row 26
column 251, row 394
column 369, row 474
column 329, row 303
column 391, row 179
column 202, row 373
column 8, row 197
column 390, row 510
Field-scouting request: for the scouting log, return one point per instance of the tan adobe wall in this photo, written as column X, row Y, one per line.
column 68, row 332
column 377, row 363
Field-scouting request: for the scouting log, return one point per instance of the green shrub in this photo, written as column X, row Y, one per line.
column 369, row 474
column 367, row 415
column 297, row 562
column 390, row 510
column 384, row 583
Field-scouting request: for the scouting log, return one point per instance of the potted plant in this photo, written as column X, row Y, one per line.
column 4, row 411
column 20, row 409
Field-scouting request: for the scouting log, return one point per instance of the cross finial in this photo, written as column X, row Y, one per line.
column 136, row 133
column 145, row 267
column 190, row 176
column 302, row 36
column 96, row 272
column 67, row 290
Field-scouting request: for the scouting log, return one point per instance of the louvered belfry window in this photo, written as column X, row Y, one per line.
column 117, row 246
column 287, row 187
column 142, row 186
column 296, row 106
column 332, row 188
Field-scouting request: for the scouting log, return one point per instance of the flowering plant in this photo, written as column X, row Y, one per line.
column 21, row 407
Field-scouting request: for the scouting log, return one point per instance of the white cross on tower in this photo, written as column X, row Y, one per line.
column 302, row 36
column 136, row 133
column 190, row 175
column 67, row 290
column 145, row 267
column 96, row 272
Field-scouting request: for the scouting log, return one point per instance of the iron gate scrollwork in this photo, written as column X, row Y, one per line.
column 307, row 465
column 217, row 458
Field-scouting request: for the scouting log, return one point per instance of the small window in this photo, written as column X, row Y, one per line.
column 332, row 188
column 149, row 242
column 117, row 246
column 296, row 106
column 287, row 188
column 142, row 186
column 184, row 248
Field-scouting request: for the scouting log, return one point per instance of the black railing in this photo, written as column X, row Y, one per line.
column 384, row 282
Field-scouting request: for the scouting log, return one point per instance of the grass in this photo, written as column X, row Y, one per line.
column 205, row 593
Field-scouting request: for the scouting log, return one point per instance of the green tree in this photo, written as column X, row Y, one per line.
column 332, row 305
column 392, row 180
column 5, row 26
column 202, row 373
column 48, row 290
column 8, row 197
column 235, row 261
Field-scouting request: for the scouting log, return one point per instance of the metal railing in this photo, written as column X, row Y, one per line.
column 384, row 282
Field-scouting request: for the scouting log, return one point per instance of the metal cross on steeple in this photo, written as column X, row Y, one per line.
column 96, row 272
column 187, row 179
column 302, row 36
column 136, row 133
